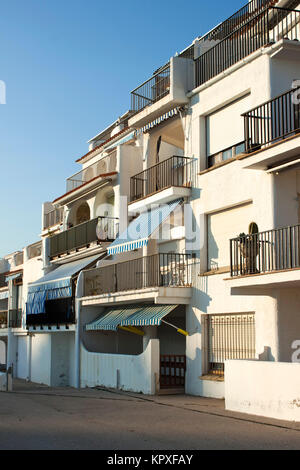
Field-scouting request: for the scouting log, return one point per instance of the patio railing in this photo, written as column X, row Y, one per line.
column 152, row 90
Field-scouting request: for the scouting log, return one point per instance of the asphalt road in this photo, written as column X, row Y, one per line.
column 39, row 418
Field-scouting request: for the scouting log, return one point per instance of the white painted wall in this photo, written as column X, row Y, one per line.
column 263, row 388
column 41, row 359
column 136, row 373
column 2, row 352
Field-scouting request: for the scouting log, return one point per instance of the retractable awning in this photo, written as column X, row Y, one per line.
column 158, row 120
column 130, row 316
column 13, row 276
column 111, row 319
column 149, row 316
column 140, row 229
column 55, row 285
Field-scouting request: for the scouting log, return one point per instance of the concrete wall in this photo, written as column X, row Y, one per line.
column 263, row 388
column 41, row 359
column 136, row 373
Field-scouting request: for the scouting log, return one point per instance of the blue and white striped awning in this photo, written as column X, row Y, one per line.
column 111, row 319
column 158, row 120
column 140, row 229
column 149, row 316
column 4, row 295
column 55, row 285
column 13, row 276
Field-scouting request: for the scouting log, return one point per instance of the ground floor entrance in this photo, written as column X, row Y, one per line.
column 172, row 371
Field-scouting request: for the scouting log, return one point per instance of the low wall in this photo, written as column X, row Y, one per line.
column 131, row 373
column 270, row 389
column 2, row 382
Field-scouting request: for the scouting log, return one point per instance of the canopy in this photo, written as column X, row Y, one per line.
column 149, row 316
column 158, row 120
column 140, row 229
column 112, row 319
column 131, row 316
column 13, row 276
column 55, row 285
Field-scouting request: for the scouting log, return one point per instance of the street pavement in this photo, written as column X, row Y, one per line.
column 36, row 417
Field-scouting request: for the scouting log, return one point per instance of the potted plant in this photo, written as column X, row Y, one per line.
column 249, row 248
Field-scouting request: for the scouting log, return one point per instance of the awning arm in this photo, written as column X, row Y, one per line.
column 179, row 330
column 132, row 329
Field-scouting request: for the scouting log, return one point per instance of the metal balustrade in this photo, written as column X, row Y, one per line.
column 152, row 90
column 100, row 229
column 175, row 171
column 53, row 218
column 15, row 318
column 3, row 319
column 102, row 167
column 267, row 27
column 273, row 120
column 272, row 250
column 160, row 270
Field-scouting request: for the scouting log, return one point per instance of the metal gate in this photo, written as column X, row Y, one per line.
column 172, row 371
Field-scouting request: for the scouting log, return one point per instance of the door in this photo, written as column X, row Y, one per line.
column 172, row 371
column 22, row 357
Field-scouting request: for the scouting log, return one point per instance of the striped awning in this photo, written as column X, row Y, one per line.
column 158, row 120
column 55, row 285
column 140, row 229
column 4, row 295
column 111, row 319
column 121, row 141
column 12, row 277
column 149, row 316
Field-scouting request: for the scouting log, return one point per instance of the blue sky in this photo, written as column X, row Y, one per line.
column 69, row 67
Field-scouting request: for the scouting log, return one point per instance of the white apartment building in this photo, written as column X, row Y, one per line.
column 172, row 261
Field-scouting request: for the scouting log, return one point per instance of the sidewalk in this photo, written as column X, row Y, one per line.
column 195, row 404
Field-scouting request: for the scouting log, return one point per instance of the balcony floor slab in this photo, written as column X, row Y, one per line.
column 275, row 279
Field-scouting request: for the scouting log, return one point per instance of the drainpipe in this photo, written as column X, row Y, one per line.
column 78, row 295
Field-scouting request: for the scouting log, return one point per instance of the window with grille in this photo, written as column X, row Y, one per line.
column 230, row 337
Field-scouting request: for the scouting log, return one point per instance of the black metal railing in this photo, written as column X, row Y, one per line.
column 100, row 229
column 269, row 26
column 273, row 250
column 15, row 318
column 175, row 171
column 160, row 270
column 273, row 120
column 152, row 90
column 3, row 319
column 236, row 20
column 54, row 217
column 57, row 312
column 19, row 259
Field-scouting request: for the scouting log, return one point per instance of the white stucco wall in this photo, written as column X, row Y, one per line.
column 263, row 388
column 136, row 373
column 41, row 359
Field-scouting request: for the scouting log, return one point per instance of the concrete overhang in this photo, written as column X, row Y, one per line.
column 275, row 154
column 276, row 279
column 161, row 197
column 158, row 295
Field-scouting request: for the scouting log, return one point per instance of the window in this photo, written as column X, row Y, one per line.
column 230, row 337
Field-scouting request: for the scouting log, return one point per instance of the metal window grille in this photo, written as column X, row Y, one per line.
column 230, row 337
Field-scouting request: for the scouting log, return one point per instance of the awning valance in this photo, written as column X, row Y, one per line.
column 158, row 120
column 140, row 229
column 13, row 276
column 111, row 319
column 55, row 285
column 151, row 315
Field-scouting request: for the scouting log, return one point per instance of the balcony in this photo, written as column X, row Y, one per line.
column 3, row 282
column 100, row 229
column 15, row 318
column 265, row 252
column 3, row 319
column 103, row 167
column 152, row 90
column 53, row 218
column 155, row 274
column 252, row 32
column 175, row 172
column 58, row 312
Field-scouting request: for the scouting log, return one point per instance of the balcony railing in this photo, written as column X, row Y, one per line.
column 225, row 154
column 3, row 282
column 100, row 229
column 3, row 319
column 269, row 26
column 102, row 167
column 175, row 171
column 264, row 252
column 161, row 270
column 58, row 312
column 15, row 318
column 53, row 218
column 272, row 121
column 152, row 90
column 19, row 259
